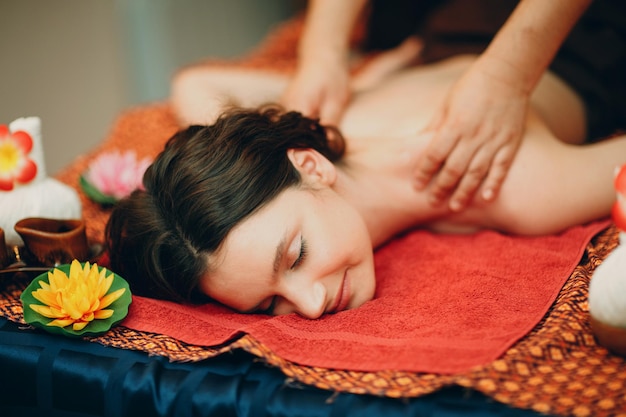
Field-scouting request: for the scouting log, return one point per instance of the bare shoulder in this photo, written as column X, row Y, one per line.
column 200, row 93
column 403, row 102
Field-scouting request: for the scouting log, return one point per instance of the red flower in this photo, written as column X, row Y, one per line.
column 619, row 208
column 15, row 165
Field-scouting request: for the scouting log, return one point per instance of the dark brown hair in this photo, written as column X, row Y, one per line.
column 206, row 181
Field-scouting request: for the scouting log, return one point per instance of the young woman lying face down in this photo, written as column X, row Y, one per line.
column 267, row 211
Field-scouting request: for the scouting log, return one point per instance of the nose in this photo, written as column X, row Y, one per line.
column 308, row 299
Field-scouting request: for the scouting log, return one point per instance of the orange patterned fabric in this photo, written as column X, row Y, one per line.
column 558, row 368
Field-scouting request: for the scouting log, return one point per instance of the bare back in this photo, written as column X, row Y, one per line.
column 542, row 192
column 405, row 101
column 381, row 127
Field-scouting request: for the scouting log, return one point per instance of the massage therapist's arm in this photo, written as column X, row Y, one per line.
column 321, row 84
column 477, row 130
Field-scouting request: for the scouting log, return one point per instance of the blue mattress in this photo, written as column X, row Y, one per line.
column 48, row 375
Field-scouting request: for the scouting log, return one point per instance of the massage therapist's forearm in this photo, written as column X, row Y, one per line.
column 321, row 85
column 530, row 38
column 327, row 30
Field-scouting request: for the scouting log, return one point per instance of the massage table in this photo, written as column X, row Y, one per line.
column 555, row 367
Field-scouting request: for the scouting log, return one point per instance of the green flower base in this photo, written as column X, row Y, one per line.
column 96, row 326
column 94, row 194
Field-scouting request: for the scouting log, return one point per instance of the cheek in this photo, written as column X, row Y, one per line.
column 353, row 230
column 347, row 237
column 204, row 285
column 234, row 295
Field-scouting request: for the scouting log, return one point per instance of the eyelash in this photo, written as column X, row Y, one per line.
column 302, row 255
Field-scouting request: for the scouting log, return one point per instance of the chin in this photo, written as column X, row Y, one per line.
column 366, row 291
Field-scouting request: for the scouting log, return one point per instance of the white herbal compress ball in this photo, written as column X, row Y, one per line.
column 40, row 196
column 607, row 289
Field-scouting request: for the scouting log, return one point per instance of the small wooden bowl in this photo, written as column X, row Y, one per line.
column 53, row 242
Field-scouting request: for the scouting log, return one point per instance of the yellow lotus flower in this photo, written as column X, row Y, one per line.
column 78, row 299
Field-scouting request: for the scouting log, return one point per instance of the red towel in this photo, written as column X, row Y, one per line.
column 443, row 304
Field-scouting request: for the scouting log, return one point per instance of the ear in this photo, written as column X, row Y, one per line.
column 314, row 167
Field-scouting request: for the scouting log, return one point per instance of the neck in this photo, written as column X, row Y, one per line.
column 375, row 197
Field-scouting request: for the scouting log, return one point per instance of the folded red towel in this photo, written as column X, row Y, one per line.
column 444, row 303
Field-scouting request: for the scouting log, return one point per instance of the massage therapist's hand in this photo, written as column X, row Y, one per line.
column 319, row 90
column 477, row 130
column 475, row 135
column 320, row 87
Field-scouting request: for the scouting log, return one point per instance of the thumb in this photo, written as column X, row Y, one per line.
column 331, row 112
column 436, row 121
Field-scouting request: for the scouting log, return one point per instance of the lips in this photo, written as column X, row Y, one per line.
column 343, row 295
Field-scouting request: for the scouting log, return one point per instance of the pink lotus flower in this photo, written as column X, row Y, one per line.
column 117, row 174
column 15, row 165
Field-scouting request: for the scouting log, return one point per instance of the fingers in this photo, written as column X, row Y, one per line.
column 331, row 110
column 470, row 181
column 497, row 173
column 431, row 160
column 476, row 133
column 474, row 162
column 305, row 104
column 316, row 95
column 462, row 173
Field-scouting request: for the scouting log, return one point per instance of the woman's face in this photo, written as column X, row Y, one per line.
column 307, row 251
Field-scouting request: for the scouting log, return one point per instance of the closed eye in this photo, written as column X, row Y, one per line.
column 301, row 255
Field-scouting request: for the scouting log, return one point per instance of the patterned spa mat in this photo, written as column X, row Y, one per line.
column 557, row 368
